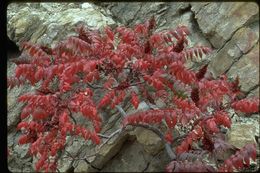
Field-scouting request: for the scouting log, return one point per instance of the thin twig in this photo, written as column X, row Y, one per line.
column 110, row 136
column 131, row 84
column 70, row 115
column 121, row 110
column 102, row 136
column 94, row 87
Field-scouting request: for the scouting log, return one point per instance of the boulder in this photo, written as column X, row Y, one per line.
column 247, row 68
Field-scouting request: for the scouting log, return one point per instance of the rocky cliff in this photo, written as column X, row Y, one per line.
column 230, row 28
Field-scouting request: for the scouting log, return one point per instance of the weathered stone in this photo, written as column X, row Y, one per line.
column 125, row 12
column 20, row 27
column 157, row 164
column 143, row 106
column 196, row 7
column 148, row 10
column 242, row 41
column 218, row 21
column 82, row 166
column 152, row 143
column 42, row 26
column 247, row 68
column 132, row 158
column 19, row 159
column 246, row 38
column 242, row 134
column 106, row 152
column 254, row 92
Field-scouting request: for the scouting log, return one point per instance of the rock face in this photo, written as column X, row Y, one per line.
column 247, row 68
column 218, row 21
column 47, row 23
column 230, row 28
column 152, row 144
column 242, row 134
column 241, row 43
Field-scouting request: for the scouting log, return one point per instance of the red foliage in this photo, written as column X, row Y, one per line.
column 200, row 74
column 240, row 159
column 134, row 100
column 153, row 116
column 246, row 105
column 194, row 135
column 114, row 60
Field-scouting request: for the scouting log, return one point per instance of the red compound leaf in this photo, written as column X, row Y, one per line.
column 26, row 112
column 246, row 105
column 39, row 114
column 156, row 40
column 40, row 57
column 14, row 81
column 201, row 73
column 194, row 135
column 170, row 118
column 134, row 99
column 109, row 33
column 195, row 95
column 195, row 52
column 240, row 159
column 119, row 98
column 109, row 83
column 95, row 138
column 150, row 116
column 211, row 125
column 168, row 137
column 154, row 81
column 24, row 139
column 106, row 99
column 79, row 46
column 22, row 125
column 181, row 73
column 222, row 118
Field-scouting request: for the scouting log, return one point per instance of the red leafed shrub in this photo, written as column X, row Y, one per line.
column 120, row 62
column 240, row 159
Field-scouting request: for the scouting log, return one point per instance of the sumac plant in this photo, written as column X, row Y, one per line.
column 138, row 64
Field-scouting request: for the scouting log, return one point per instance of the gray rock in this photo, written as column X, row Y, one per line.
column 132, row 158
column 242, row 134
column 242, row 41
column 219, row 20
column 82, row 166
column 247, row 68
column 151, row 142
column 48, row 23
column 158, row 162
column 254, row 92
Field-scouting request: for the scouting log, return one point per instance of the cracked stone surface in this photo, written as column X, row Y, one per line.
column 241, row 134
column 247, row 68
column 241, row 42
column 47, row 23
column 230, row 28
column 131, row 154
column 219, row 20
